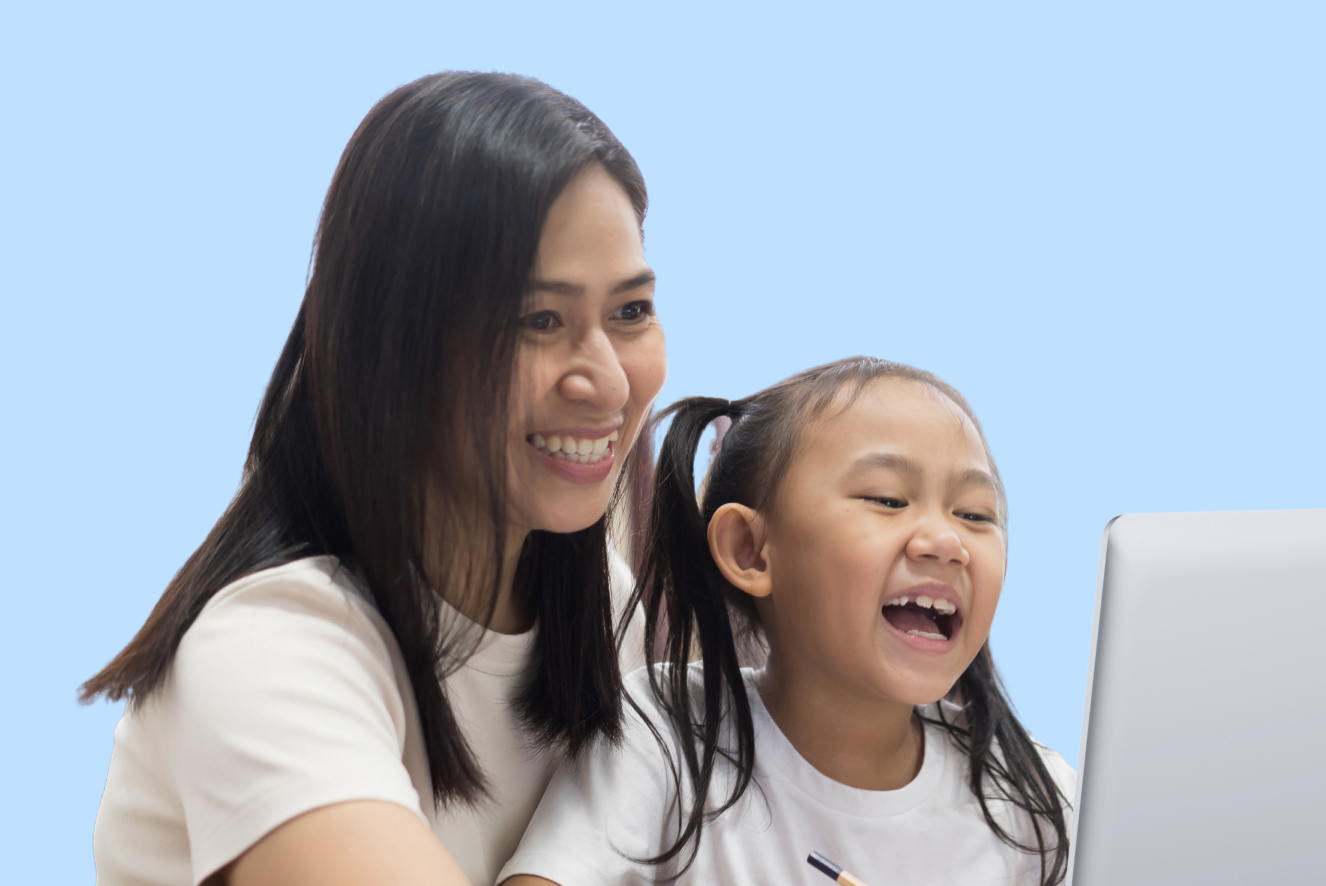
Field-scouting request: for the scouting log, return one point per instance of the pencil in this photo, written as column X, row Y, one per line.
column 832, row 871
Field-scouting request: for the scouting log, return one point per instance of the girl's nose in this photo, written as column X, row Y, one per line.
column 595, row 375
column 935, row 540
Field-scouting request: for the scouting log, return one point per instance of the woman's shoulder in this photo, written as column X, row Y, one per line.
column 309, row 583
column 308, row 622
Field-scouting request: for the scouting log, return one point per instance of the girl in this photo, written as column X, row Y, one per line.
column 852, row 524
column 315, row 699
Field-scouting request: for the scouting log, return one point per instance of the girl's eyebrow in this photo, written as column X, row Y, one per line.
column 975, row 477
column 904, row 465
column 888, row 461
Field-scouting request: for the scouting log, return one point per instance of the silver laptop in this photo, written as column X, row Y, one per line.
column 1204, row 740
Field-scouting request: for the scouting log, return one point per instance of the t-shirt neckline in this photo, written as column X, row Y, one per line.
column 498, row 655
column 777, row 756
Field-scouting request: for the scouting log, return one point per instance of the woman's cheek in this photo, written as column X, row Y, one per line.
column 645, row 362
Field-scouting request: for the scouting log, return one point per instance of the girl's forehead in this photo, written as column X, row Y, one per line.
column 898, row 403
column 899, row 412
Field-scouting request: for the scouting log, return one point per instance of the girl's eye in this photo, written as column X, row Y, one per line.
column 542, row 321
column 635, row 311
column 893, row 503
column 975, row 518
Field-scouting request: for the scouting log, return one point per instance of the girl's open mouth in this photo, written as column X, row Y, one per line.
column 932, row 618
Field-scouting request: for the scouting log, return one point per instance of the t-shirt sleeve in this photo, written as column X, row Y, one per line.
column 281, row 699
column 600, row 812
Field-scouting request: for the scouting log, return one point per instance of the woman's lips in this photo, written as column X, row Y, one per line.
column 576, row 472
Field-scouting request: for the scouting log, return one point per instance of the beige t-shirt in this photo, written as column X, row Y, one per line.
column 287, row 694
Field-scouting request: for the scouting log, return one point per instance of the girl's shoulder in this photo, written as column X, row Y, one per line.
column 645, row 694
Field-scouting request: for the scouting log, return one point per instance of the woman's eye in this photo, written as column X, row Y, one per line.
column 541, row 321
column 635, row 311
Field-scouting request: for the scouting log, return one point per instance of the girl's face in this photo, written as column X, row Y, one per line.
column 884, row 553
column 590, row 361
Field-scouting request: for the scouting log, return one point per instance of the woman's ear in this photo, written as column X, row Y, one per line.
column 736, row 541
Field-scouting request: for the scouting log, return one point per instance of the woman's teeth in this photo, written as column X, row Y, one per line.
column 582, row 451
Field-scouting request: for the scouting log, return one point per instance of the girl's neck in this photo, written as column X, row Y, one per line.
column 868, row 743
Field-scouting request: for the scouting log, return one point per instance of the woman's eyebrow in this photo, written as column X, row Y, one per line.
column 559, row 287
column 644, row 278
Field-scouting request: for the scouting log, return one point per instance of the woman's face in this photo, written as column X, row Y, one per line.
column 885, row 552
column 590, row 362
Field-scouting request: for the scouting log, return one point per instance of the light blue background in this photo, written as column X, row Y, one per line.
column 1104, row 224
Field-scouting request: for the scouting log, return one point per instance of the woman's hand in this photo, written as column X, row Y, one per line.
column 363, row 843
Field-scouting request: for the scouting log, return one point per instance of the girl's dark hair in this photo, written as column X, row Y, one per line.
column 691, row 608
column 381, row 438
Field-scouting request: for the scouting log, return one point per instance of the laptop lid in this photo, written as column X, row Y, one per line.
column 1204, row 739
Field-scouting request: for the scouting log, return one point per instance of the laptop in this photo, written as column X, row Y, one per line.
column 1204, row 739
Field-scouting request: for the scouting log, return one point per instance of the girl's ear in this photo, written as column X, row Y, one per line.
column 736, row 541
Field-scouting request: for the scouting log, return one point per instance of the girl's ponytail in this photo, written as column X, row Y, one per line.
column 686, row 603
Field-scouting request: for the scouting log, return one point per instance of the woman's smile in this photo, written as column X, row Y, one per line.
column 579, row 455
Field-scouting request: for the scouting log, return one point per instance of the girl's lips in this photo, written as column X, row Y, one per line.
column 921, row 644
column 577, row 473
column 927, row 617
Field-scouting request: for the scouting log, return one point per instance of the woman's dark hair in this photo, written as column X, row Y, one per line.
column 381, row 438
column 691, row 608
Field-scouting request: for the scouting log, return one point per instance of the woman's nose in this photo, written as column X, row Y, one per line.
column 935, row 540
column 595, row 375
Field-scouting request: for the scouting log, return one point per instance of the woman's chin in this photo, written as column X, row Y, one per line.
column 571, row 517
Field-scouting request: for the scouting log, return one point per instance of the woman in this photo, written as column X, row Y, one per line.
column 314, row 699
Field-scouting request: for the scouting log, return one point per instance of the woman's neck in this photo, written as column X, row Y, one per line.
column 869, row 743
column 509, row 615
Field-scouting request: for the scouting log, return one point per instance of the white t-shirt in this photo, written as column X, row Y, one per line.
column 614, row 803
column 287, row 694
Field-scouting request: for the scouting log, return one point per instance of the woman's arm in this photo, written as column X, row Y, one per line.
column 360, row 843
column 527, row 880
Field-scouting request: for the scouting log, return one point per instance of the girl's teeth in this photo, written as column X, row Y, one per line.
column 939, row 604
column 928, row 635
